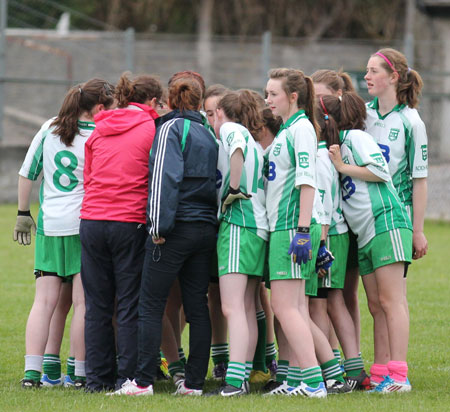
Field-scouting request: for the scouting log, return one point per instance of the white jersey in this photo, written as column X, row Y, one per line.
column 329, row 190
column 250, row 213
column 292, row 163
column 402, row 137
column 370, row 208
column 61, row 191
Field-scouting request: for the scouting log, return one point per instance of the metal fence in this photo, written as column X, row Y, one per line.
column 41, row 65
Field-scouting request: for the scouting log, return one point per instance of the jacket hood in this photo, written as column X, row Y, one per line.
column 118, row 121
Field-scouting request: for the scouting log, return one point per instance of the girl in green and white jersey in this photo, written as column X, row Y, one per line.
column 57, row 151
column 394, row 122
column 293, row 222
column 377, row 216
column 243, row 231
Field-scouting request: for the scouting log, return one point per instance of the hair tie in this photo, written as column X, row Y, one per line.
column 409, row 70
column 80, row 90
column 387, row 61
column 324, row 108
column 340, row 98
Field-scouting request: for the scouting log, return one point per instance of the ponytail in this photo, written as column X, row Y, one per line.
column 340, row 113
column 353, row 112
column 329, row 130
column 185, row 94
column 310, row 104
column 79, row 99
column 244, row 107
column 139, row 90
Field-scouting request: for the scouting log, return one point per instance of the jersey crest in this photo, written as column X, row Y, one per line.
column 393, row 134
column 303, row 160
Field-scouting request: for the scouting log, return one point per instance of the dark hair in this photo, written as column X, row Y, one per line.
column 333, row 80
column 272, row 122
column 81, row 98
column 243, row 107
column 339, row 113
column 215, row 90
column 185, row 94
column 295, row 81
column 188, row 74
column 409, row 85
column 139, row 90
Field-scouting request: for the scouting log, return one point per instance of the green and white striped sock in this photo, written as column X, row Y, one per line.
column 353, row 366
column 294, row 376
column 312, row 376
column 282, row 370
column 235, row 374
column 332, row 370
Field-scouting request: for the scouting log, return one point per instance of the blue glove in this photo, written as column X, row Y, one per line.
column 324, row 258
column 300, row 248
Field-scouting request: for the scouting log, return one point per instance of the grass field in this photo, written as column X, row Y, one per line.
column 429, row 360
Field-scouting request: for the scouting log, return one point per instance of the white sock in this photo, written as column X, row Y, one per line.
column 79, row 369
column 33, row 363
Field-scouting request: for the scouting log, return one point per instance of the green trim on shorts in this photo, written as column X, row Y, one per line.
column 241, row 251
column 59, row 254
column 384, row 249
column 338, row 246
column 281, row 266
column 311, row 284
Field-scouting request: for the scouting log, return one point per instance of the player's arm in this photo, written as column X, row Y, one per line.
column 24, row 221
column 360, row 172
column 420, row 243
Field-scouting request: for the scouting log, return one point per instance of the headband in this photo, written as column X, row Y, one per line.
column 324, row 108
column 387, row 61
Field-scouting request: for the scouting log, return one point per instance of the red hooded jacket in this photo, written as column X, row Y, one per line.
column 116, row 165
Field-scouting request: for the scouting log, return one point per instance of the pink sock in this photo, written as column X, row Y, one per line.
column 377, row 372
column 398, row 370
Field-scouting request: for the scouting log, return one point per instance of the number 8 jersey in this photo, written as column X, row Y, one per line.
column 61, row 192
column 370, row 208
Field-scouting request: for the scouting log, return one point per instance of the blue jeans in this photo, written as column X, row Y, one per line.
column 186, row 254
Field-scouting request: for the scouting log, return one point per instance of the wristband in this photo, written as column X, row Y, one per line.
column 322, row 243
column 302, row 229
column 23, row 213
column 233, row 191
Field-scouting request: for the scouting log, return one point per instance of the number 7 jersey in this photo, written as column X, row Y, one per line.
column 61, row 192
column 370, row 208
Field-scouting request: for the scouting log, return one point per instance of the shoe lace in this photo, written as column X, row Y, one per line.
column 386, row 381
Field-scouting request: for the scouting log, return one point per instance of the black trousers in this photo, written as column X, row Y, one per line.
column 186, row 254
column 112, row 255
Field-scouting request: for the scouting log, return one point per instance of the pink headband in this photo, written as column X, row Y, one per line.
column 387, row 61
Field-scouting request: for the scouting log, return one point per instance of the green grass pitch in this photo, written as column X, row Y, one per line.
column 429, row 360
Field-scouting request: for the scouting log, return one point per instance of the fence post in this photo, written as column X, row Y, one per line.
column 3, row 25
column 265, row 56
column 409, row 31
column 129, row 49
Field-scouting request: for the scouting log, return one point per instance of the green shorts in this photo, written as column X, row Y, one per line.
column 385, row 249
column 240, row 251
column 59, row 254
column 281, row 266
column 338, row 246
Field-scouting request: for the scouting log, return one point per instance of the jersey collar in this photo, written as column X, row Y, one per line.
column 293, row 119
column 322, row 145
column 375, row 105
column 342, row 135
column 86, row 125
